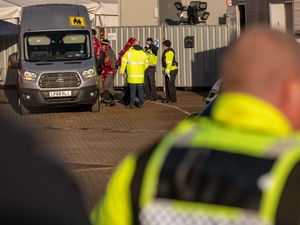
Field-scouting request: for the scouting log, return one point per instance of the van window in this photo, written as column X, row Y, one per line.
column 57, row 46
column 73, row 39
column 39, row 40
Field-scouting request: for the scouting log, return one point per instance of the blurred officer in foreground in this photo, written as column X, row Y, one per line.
column 34, row 188
column 239, row 166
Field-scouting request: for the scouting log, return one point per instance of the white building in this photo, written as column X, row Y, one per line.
column 154, row 12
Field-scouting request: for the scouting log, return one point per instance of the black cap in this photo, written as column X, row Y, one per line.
column 105, row 42
column 94, row 32
column 167, row 43
column 149, row 39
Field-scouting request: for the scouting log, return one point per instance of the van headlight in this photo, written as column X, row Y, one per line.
column 29, row 76
column 89, row 73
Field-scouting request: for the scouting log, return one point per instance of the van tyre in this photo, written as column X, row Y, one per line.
column 96, row 106
column 22, row 109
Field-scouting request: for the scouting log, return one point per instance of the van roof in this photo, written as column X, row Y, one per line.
column 54, row 17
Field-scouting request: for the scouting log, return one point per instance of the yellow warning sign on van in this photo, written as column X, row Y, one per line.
column 77, row 21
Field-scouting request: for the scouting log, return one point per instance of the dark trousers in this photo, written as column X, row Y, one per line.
column 150, row 87
column 170, row 86
column 136, row 90
column 107, row 88
column 109, row 84
column 126, row 98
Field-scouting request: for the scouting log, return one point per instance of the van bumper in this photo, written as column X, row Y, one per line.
column 33, row 98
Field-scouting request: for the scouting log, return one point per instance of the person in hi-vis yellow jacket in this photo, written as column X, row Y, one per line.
column 170, row 70
column 135, row 62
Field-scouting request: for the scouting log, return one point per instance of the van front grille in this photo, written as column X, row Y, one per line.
column 61, row 99
column 59, row 80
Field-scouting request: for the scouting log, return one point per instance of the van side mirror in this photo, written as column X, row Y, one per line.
column 13, row 61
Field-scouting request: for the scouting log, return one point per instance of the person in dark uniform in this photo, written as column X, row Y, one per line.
column 150, row 88
column 170, row 70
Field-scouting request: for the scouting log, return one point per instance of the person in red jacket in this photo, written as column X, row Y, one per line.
column 107, row 64
column 96, row 46
column 96, row 43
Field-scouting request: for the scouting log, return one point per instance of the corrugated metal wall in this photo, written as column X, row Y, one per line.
column 198, row 66
column 8, row 45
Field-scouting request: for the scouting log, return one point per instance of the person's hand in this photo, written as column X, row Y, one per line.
column 165, row 74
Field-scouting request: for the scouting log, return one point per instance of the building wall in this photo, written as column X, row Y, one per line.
column 297, row 15
column 217, row 10
column 257, row 11
column 155, row 12
column 167, row 10
column 138, row 12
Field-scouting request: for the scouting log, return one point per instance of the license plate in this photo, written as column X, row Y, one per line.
column 60, row 93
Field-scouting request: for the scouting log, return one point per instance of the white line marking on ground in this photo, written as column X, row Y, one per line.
column 172, row 106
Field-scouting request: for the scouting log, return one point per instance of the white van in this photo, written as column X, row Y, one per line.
column 56, row 59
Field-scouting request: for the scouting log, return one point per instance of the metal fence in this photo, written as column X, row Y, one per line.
column 198, row 66
column 8, row 45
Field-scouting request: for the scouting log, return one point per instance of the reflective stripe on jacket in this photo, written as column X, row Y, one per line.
column 135, row 62
column 219, row 170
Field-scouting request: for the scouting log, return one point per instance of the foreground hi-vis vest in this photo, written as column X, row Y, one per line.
column 192, row 178
column 238, row 179
column 152, row 57
column 135, row 62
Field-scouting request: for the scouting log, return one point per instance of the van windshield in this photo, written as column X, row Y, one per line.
column 57, row 46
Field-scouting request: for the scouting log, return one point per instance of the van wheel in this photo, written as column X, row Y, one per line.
column 96, row 106
column 22, row 109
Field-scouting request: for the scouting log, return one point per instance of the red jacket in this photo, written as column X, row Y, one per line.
column 128, row 45
column 97, row 46
column 107, row 61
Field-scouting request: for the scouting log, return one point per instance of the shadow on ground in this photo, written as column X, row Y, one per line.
column 12, row 97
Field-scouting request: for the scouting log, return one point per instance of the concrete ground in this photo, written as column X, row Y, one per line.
column 92, row 144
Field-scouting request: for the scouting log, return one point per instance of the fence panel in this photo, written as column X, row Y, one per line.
column 198, row 66
column 8, row 45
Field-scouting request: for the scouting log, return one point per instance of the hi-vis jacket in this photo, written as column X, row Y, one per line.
column 168, row 61
column 152, row 56
column 135, row 62
column 240, row 166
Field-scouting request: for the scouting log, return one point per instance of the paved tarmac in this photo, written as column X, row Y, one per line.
column 92, row 144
